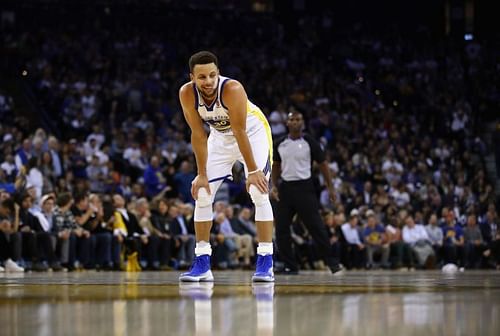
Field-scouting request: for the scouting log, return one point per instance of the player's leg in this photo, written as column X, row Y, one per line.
column 219, row 165
column 284, row 215
column 261, row 143
column 308, row 211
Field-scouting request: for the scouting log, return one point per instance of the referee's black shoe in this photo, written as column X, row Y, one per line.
column 337, row 269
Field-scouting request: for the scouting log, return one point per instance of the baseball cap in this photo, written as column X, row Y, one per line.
column 354, row 212
column 45, row 198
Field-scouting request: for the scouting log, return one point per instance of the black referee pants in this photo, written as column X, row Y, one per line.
column 299, row 197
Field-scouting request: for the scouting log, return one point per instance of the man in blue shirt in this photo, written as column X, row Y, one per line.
column 375, row 241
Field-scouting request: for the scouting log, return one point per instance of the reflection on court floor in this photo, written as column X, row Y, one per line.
column 361, row 303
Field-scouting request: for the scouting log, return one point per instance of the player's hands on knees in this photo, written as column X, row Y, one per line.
column 200, row 181
column 259, row 180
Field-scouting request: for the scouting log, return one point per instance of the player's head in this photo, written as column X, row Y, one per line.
column 204, row 71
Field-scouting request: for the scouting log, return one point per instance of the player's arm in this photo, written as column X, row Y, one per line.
column 275, row 172
column 198, row 134
column 319, row 156
column 235, row 98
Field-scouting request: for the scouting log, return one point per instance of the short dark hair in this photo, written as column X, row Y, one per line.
column 9, row 205
column 63, row 199
column 202, row 57
column 79, row 196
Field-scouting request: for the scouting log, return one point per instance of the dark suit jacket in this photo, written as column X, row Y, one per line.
column 486, row 231
column 176, row 229
column 239, row 228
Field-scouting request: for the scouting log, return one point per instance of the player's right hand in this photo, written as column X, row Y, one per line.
column 200, row 181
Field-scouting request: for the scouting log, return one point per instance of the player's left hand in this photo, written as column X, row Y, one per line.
column 259, row 180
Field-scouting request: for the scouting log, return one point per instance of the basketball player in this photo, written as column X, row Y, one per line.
column 238, row 131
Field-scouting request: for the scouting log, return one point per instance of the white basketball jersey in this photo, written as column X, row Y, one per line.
column 217, row 115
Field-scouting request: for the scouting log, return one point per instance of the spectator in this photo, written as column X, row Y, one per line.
column 473, row 242
column 37, row 241
column 333, row 222
column 416, row 236
column 183, row 180
column 491, row 234
column 354, row 248
column 86, row 219
column 375, row 241
column 128, row 233
column 435, row 234
column 161, row 223
column 10, row 237
column 243, row 241
column 453, row 244
column 34, row 177
column 23, row 154
column 183, row 235
column 399, row 250
column 153, row 178
column 96, row 174
column 152, row 248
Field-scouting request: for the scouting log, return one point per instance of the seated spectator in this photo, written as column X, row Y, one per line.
column 65, row 230
column 473, row 243
column 332, row 223
column 490, row 231
column 9, row 169
column 243, row 224
column 96, row 173
column 453, row 243
column 353, row 247
column 183, row 235
column 416, row 236
column 183, row 180
column 161, row 224
column 153, row 178
column 225, row 249
column 375, row 241
column 155, row 244
column 435, row 234
column 400, row 253
column 10, row 237
column 128, row 233
column 38, row 249
column 86, row 219
column 243, row 241
column 106, row 245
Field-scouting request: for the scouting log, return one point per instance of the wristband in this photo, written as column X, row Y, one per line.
column 253, row 171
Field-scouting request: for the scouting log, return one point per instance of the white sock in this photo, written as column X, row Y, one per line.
column 202, row 247
column 265, row 248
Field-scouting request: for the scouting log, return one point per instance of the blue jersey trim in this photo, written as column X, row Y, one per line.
column 219, row 178
column 210, row 108
column 221, row 91
column 267, row 168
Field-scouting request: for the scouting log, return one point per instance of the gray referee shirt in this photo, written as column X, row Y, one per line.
column 296, row 157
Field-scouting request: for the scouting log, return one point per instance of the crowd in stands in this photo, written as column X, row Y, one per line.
column 106, row 182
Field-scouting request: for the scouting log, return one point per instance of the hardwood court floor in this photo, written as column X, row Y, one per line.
column 312, row 303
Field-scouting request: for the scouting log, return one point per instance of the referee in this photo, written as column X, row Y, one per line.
column 294, row 193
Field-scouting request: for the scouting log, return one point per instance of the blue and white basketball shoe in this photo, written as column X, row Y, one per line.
column 264, row 270
column 199, row 271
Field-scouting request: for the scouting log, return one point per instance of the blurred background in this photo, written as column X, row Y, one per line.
column 403, row 96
